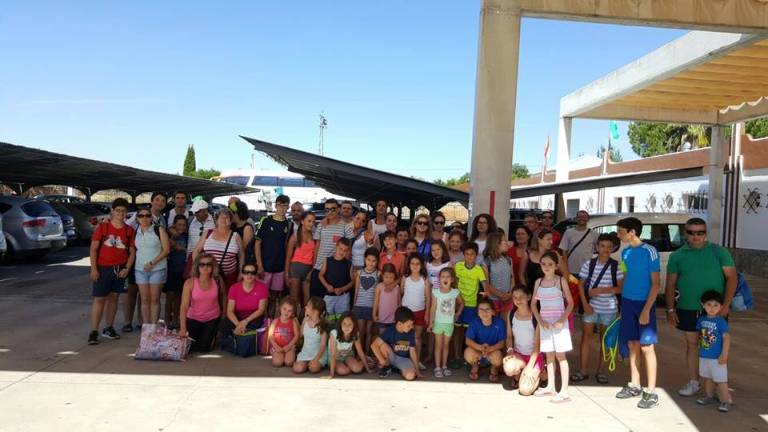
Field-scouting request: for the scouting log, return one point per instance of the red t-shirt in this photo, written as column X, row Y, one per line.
column 115, row 244
column 247, row 303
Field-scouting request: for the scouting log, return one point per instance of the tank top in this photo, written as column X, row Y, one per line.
column 283, row 333
column 358, row 251
column 388, row 304
column 500, row 273
column 148, row 246
column 367, row 292
column 533, row 272
column 433, row 271
column 337, row 272
column 480, row 249
column 413, row 294
column 250, row 254
column 216, row 248
column 516, row 260
column 523, row 333
column 303, row 253
column 312, row 339
column 378, row 229
column 551, row 304
column 204, row 304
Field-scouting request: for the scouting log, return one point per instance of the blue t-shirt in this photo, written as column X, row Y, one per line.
column 401, row 343
column 491, row 335
column 637, row 264
column 711, row 331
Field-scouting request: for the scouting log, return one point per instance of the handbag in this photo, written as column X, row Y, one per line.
column 159, row 343
column 742, row 300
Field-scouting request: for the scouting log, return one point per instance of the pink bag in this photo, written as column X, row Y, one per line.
column 159, row 343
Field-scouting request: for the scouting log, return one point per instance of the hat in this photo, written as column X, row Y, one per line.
column 199, row 205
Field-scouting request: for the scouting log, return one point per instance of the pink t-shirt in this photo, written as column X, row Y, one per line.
column 247, row 303
column 204, row 304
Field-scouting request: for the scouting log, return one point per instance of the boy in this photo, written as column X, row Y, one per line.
column 486, row 336
column 600, row 279
column 641, row 267
column 177, row 261
column 396, row 347
column 271, row 243
column 402, row 236
column 112, row 256
column 336, row 278
column 714, row 346
column 390, row 254
column 470, row 276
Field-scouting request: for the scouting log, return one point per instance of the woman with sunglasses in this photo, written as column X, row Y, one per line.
column 246, row 303
column 225, row 246
column 201, row 302
column 482, row 224
column 152, row 248
column 438, row 227
column 421, row 231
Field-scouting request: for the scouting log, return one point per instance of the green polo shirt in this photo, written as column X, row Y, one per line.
column 698, row 271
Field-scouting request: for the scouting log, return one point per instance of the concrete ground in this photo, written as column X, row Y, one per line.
column 50, row 377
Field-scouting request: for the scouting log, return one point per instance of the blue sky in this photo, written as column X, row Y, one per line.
column 136, row 82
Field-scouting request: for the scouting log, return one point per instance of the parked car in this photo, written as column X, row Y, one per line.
column 67, row 220
column 3, row 244
column 87, row 217
column 664, row 231
column 31, row 227
column 60, row 198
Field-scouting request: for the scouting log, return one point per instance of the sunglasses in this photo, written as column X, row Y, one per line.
column 422, row 223
column 439, row 222
column 696, row 233
column 249, row 272
column 205, row 264
column 143, row 216
column 331, row 209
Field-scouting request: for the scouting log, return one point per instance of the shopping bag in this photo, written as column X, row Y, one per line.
column 159, row 343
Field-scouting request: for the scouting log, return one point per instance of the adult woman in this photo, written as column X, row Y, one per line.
column 246, row 303
column 438, row 227
column 300, row 255
column 390, row 222
column 241, row 226
column 200, row 303
column 152, row 248
column 378, row 225
column 362, row 239
column 226, row 247
column 422, row 233
column 482, row 224
column 530, row 265
column 519, row 250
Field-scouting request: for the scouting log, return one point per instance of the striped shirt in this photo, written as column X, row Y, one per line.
column 329, row 235
column 367, row 291
column 433, row 271
column 601, row 303
column 500, row 274
column 552, row 303
column 216, row 248
column 198, row 229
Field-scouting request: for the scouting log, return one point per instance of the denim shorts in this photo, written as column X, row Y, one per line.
column 599, row 318
column 363, row 313
column 153, row 277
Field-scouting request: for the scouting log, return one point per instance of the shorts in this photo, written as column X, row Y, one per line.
column 604, row 319
column 131, row 278
column 443, row 329
column 555, row 340
column 153, row 277
column 398, row 362
column 500, row 306
column 299, row 270
column 174, row 283
column 687, row 319
column 336, row 305
column 538, row 365
column 710, row 368
column 108, row 282
column 275, row 281
column 418, row 318
column 467, row 315
column 630, row 328
column 363, row 313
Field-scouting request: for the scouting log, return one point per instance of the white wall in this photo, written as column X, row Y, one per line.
column 752, row 225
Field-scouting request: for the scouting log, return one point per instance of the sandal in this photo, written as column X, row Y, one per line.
column 543, row 392
column 493, row 377
column 438, row 372
column 578, row 377
column 474, row 373
column 602, row 378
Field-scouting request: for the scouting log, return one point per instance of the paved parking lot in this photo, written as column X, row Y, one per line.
column 49, row 376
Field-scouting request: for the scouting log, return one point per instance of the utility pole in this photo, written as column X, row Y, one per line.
column 321, row 140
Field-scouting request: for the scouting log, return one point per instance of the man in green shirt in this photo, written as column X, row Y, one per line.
column 695, row 268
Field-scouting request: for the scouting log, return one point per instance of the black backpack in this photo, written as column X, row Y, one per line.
column 612, row 264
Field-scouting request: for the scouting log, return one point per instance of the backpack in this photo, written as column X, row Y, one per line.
column 612, row 264
column 130, row 233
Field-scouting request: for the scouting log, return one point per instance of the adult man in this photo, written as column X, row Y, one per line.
column 697, row 267
column 200, row 224
column 548, row 222
column 180, row 207
column 271, row 244
column 578, row 243
column 326, row 236
column 531, row 221
column 641, row 266
column 296, row 210
column 347, row 212
column 112, row 255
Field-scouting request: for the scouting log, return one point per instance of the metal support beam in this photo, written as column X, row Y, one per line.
column 717, row 151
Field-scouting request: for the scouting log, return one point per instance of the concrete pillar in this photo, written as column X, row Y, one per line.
column 717, row 156
column 563, row 149
column 495, row 98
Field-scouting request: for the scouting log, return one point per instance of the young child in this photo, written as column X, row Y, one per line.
column 344, row 342
column 600, row 279
column 714, row 347
column 396, row 347
column 445, row 309
column 390, row 254
column 386, row 298
column 440, row 260
column 455, row 243
column 336, row 277
column 522, row 364
column 314, row 353
column 498, row 267
column 177, row 261
column 283, row 334
column 365, row 293
column 470, row 276
column 411, row 247
column 555, row 304
column 486, row 336
column 417, row 297
column 402, row 235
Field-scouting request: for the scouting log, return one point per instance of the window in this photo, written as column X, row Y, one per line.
column 37, row 209
column 265, row 181
column 309, row 183
column 630, row 204
column 676, row 236
column 290, row 182
column 571, row 207
column 617, row 203
column 533, row 204
column 4, row 208
column 236, row 180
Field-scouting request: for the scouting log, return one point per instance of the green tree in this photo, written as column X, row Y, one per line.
column 519, row 171
column 758, row 128
column 206, row 173
column 189, row 162
column 453, row 181
column 614, row 155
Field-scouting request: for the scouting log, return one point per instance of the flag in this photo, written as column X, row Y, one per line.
column 614, row 130
column 546, row 149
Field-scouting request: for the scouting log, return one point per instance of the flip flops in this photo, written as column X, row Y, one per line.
column 601, row 378
column 578, row 377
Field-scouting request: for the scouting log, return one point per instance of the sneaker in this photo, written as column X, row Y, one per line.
column 438, row 372
column 93, row 338
column 447, row 372
column 706, row 400
column 385, row 371
column 629, row 391
column 127, row 328
column 110, row 333
column 422, row 367
column 690, row 389
column 649, row 400
column 724, row 407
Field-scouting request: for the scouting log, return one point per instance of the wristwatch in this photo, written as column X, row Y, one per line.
column 670, row 310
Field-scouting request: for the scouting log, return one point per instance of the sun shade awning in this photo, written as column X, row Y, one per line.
column 358, row 182
column 30, row 167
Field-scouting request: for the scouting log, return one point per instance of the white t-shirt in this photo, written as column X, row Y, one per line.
column 583, row 252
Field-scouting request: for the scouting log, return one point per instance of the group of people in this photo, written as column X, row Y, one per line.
column 353, row 294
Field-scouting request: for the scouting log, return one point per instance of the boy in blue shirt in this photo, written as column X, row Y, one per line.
column 486, row 337
column 714, row 346
column 641, row 266
column 396, row 347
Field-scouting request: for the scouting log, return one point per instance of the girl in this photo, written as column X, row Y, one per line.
column 200, row 303
column 301, row 256
column 522, row 363
column 152, row 248
column 416, row 296
column 444, row 311
column 402, row 235
column 438, row 227
column 530, row 266
column 387, row 298
column 411, row 247
column 362, row 239
column 498, row 267
column 482, row 225
column 365, row 292
column 552, row 292
column 243, row 228
column 421, row 232
column 314, row 352
column 284, row 334
column 439, row 260
column 519, row 250
column 344, row 342
column 455, row 242
column 377, row 225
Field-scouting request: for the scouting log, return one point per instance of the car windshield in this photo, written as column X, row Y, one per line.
column 37, row 209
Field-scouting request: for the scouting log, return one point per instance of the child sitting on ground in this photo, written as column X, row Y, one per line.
column 522, row 364
column 486, row 336
column 314, row 352
column 396, row 348
column 714, row 346
column 345, row 341
column 446, row 308
column 283, row 334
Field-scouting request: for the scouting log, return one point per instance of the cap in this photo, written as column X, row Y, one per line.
column 199, row 205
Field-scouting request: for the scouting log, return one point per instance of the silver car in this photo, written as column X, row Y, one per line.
column 31, row 227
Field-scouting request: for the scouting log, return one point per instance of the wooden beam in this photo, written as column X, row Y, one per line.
column 755, row 73
column 725, row 90
column 616, row 111
column 693, row 75
column 692, row 83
